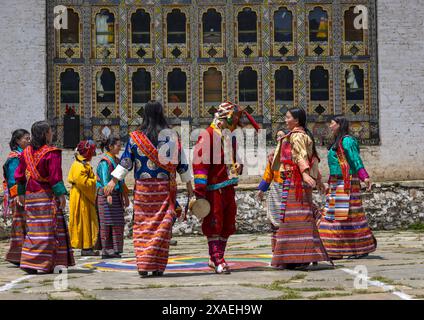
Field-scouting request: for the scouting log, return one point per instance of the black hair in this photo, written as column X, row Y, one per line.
column 106, row 143
column 153, row 121
column 39, row 132
column 16, row 136
column 300, row 115
column 343, row 131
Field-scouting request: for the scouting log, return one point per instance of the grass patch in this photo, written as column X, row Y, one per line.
column 154, row 286
column 298, row 277
column 50, row 297
column 418, row 226
column 290, row 295
column 383, row 279
column 330, row 295
column 310, row 289
column 46, row 281
column 85, row 295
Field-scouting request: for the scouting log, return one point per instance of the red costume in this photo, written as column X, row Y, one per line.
column 214, row 183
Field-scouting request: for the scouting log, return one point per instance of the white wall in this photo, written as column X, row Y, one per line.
column 22, row 66
column 401, row 92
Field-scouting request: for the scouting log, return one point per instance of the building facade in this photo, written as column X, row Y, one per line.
column 265, row 55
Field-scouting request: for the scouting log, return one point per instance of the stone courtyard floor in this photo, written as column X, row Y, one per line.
column 395, row 271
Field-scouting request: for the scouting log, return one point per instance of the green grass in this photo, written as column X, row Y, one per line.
column 290, row 295
column 418, row 226
column 383, row 279
column 154, row 286
column 85, row 295
column 329, row 295
column 50, row 297
column 298, row 277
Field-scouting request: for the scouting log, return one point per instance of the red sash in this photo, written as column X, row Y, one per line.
column 147, row 147
column 286, row 158
column 344, row 165
column 32, row 159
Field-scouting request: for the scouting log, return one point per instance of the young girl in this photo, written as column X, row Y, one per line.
column 271, row 181
column 20, row 140
column 344, row 228
column 83, row 222
column 111, row 208
column 42, row 191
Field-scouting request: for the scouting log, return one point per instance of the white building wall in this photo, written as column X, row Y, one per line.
column 22, row 66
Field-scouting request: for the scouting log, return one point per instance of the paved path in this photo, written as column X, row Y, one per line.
column 395, row 271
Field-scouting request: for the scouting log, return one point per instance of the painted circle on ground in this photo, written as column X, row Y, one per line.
column 185, row 263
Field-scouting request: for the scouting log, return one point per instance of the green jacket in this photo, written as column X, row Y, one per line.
column 351, row 148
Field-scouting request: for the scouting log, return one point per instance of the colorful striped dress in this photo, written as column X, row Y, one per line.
column 343, row 227
column 154, row 198
column 271, row 182
column 111, row 216
column 18, row 230
column 297, row 238
column 39, row 178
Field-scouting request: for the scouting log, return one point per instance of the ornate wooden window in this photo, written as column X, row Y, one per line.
column 140, row 34
column 69, row 101
column 70, row 91
column 354, row 38
column 69, row 44
column 284, row 87
column 248, row 91
column 283, row 35
column 319, row 27
column 141, row 90
column 212, row 87
column 320, row 90
column 177, row 93
column 356, row 93
column 176, row 34
column 247, row 33
column 212, row 44
column 105, row 89
column 104, row 34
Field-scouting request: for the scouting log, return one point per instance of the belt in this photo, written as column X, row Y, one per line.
column 222, row 184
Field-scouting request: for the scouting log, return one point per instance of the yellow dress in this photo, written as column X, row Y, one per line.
column 83, row 221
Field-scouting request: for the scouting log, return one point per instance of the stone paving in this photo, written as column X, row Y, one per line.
column 395, row 271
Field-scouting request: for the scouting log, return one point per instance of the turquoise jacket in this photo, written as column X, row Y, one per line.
column 351, row 148
column 10, row 167
column 104, row 174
